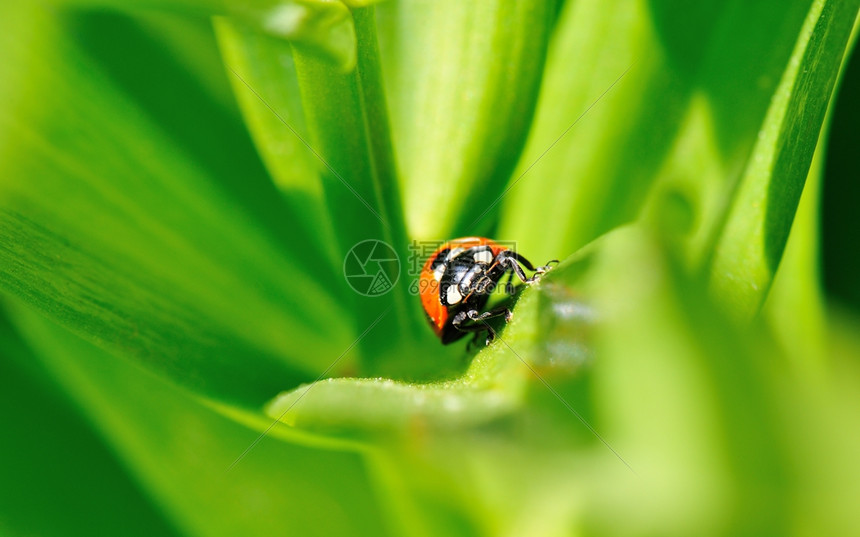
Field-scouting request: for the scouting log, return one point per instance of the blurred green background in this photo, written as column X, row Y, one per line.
column 181, row 180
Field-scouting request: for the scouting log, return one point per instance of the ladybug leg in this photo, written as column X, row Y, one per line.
column 479, row 321
column 462, row 317
column 543, row 269
column 499, row 312
column 512, row 261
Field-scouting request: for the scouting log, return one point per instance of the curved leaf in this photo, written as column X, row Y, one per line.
column 704, row 415
column 750, row 243
column 685, row 115
column 179, row 451
column 795, row 306
column 263, row 76
column 113, row 230
column 608, row 107
column 73, row 487
column 463, row 79
column 324, row 26
column 548, row 337
column 348, row 120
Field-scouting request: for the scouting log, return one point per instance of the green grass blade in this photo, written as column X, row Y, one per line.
column 347, row 117
column 497, row 384
column 795, row 305
column 686, row 113
column 463, row 78
column 179, row 451
column 607, row 108
column 73, row 487
column 264, row 80
column 714, row 427
column 750, row 244
column 115, row 231
column 322, row 25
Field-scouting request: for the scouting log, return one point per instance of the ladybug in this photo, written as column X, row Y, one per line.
column 457, row 280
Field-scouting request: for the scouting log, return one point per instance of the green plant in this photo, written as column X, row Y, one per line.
column 183, row 355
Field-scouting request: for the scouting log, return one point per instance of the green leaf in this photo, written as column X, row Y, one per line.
column 187, row 40
column 795, row 306
column 325, row 26
column 751, row 241
column 120, row 232
column 463, row 79
column 322, row 26
column 354, row 166
column 547, row 336
column 608, row 107
column 621, row 399
column 264, row 80
column 694, row 407
column 682, row 397
column 685, row 115
column 74, row 487
column 179, row 451
column 347, row 117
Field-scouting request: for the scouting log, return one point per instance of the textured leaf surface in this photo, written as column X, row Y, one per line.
column 168, row 273
column 179, row 450
column 322, row 25
column 675, row 418
column 75, row 487
column 685, row 114
column 114, row 230
column 752, row 240
column 463, row 78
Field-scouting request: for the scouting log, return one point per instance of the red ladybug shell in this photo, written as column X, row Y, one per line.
column 437, row 313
